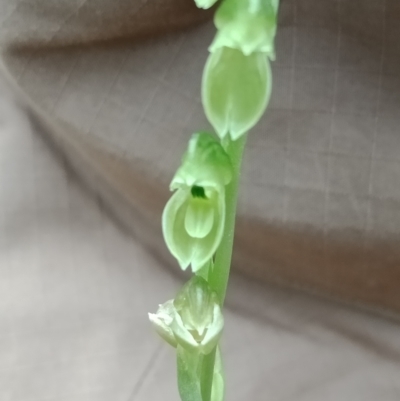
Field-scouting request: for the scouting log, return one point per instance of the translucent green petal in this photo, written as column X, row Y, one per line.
column 214, row 331
column 235, row 90
column 178, row 241
column 198, row 322
column 275, row 5
column 183, row 335
column 195, row 304
column 205, row 269
column 204, row 164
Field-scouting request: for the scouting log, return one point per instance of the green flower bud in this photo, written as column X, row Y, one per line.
column 193, row 320
column 236, row 90
column 205, row 3
column 194, row 217
column 246, row 25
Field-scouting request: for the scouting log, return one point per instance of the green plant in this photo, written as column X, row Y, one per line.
column 199, row 219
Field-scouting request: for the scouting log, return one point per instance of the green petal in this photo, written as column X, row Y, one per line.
column 214, row 331
column 195, row 304
column 204, row 271
column 199, row 218
column 178, row 241
column 198, row 316
column 182, row 334
column 275, row 5
column 235, row 90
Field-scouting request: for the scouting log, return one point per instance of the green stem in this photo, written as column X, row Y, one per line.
column 218, row 278
column 220, row 275
column 207, row 375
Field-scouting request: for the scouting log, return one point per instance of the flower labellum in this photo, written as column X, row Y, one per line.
column 193, row 219
column 236, row 90
column 193, row 320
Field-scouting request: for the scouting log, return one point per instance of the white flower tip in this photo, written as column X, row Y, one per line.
column 205, row 4
column 184, row 264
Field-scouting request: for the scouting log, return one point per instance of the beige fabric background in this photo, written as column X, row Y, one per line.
column 320, row 208
column 75, row 289
column 320, row 199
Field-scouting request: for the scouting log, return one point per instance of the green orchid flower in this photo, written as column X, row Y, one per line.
column 193, row 219
column 236, row 90
column 246, row 25
column 193, row 320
